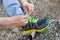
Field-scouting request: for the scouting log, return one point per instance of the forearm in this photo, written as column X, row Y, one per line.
column 5, row 21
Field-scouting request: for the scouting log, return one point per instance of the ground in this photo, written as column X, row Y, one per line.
column 43, row 9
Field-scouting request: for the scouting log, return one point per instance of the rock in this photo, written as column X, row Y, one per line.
column 43, row 8
column 15, row 30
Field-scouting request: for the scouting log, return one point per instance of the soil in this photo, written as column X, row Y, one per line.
column 43, row 9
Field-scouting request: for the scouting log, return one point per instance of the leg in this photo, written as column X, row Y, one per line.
column 0, row 1
column 13, row 7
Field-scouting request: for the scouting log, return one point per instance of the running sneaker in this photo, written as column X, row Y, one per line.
column 37, row 25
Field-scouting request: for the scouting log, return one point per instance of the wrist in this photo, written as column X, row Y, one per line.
column 12, row 19
column 9, row 19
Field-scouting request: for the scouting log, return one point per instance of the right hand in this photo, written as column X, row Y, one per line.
column 20, row 20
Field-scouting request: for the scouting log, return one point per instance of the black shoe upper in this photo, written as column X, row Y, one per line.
column 38, row 25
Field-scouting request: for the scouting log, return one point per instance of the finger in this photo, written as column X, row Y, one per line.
column 24, row 17
column 24, row 20
column 26, row 10
column 19, row 17
column 29, row 10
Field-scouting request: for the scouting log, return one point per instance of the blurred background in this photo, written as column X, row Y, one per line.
column 43, row 8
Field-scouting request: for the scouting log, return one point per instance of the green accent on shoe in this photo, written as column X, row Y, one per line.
column 32, row 20
column 41, row 30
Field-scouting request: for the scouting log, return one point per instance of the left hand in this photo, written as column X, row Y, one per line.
column 29, row 8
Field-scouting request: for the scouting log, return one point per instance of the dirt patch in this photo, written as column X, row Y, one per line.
column 43, row 8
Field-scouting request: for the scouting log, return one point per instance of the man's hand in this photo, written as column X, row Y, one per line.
column 28, row 7
column 20, row 20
